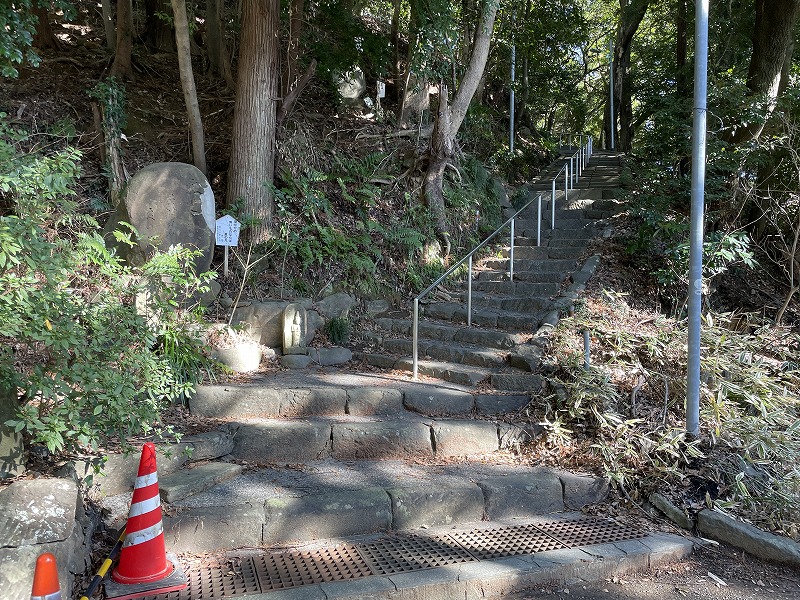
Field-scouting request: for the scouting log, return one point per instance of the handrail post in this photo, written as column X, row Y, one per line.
column 511, row 253
column 415, row 340
column 469, row 292
column 539, row 222
column 566, row 199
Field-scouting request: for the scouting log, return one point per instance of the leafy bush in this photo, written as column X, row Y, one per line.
column 338, row 330
column 97, row 349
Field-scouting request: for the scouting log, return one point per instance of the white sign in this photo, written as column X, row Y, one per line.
column 227, row 232
column 381, row 89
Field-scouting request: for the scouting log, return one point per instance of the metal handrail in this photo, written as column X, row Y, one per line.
column 571, row 168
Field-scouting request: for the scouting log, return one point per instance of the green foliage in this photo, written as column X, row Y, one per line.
column 17, row 27
column 629, row 406
column 338, row 330
column 96, row 348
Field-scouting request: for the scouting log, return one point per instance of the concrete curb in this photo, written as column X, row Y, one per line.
column 721, row 527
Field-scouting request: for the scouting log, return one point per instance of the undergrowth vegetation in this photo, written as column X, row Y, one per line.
column 97, row 348
column 626, row 411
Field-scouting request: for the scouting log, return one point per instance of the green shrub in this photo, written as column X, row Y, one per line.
column 96, row 349
column 338, row 330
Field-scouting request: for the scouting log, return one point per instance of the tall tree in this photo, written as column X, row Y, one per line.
column 123, row 63
column 252, row 163
column 215, row 42
column 449, row 120
column 44, row 38
column 773, row 45
column 187, row 83
column 630, row 17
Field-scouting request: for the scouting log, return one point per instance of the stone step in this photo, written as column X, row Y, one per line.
column 452, row 372
column 456, row 312
column 532, row 265
column 517, row 382
column 544, row 252
column 451, row 333
column 187, row 482
column 243, row 401
column 530, row 289
column 334, row 499
column 498, row 295
column 447, row 352
column 548, row 280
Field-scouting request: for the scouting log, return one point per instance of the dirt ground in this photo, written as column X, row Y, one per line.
column 711, row 573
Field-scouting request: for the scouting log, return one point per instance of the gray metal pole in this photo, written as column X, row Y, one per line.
column 415, row 340
column 513, row 78
column 611, row 91
column 696, row 228
column 511, row 111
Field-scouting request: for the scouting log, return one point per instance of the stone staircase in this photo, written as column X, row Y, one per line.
column 329, row 454
column 500, row 348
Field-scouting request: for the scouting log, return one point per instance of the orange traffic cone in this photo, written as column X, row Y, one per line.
column 45, row 579
column 144, row 567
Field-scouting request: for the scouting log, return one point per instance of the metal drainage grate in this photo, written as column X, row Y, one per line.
column 293, row 569
column 411, row 553
column 586, row 532
column 220, row 579
column 506, row 541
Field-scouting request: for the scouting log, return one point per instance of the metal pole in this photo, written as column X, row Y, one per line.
column 611, row 90
column 415, row 339
column 469, row 291
column 513, row 77
column 510, row 253
column 539, row 219
column 553, row 200
column 566, row 200
column 696, row 227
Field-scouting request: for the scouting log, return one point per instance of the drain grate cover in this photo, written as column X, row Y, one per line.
column 292, row 569
column 505, row 541
column 220, row 579
column 586, row 532
column 412, row 553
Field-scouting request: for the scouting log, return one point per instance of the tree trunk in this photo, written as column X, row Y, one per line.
column 449, row 120
column 187, row 83
column 252, row 162
column 291, row 74
column 215, row 41
column 631, row 14
column 773, row 37
column 398, row 71
column 108, row 24
column 158, row 32
column 123, row 66
column 289, row 99
column 43, row 38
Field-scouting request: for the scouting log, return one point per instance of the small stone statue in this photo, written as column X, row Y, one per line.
column 294, row 329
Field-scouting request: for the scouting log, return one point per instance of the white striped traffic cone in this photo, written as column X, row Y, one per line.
column 144, row 567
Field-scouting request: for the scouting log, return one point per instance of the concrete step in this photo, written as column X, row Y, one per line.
column 456, row 312
column 464, row 375
column 449, row 332
column 329, row 498
column 530, row 290
column 498, row 295
column 544, row 252
column 447, row 352
column 547, row 279
column 195, row 480
column 530, row 265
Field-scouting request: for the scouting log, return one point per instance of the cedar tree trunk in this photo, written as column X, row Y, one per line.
column 252, row 163
column 123, row 67
column 215, row 41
